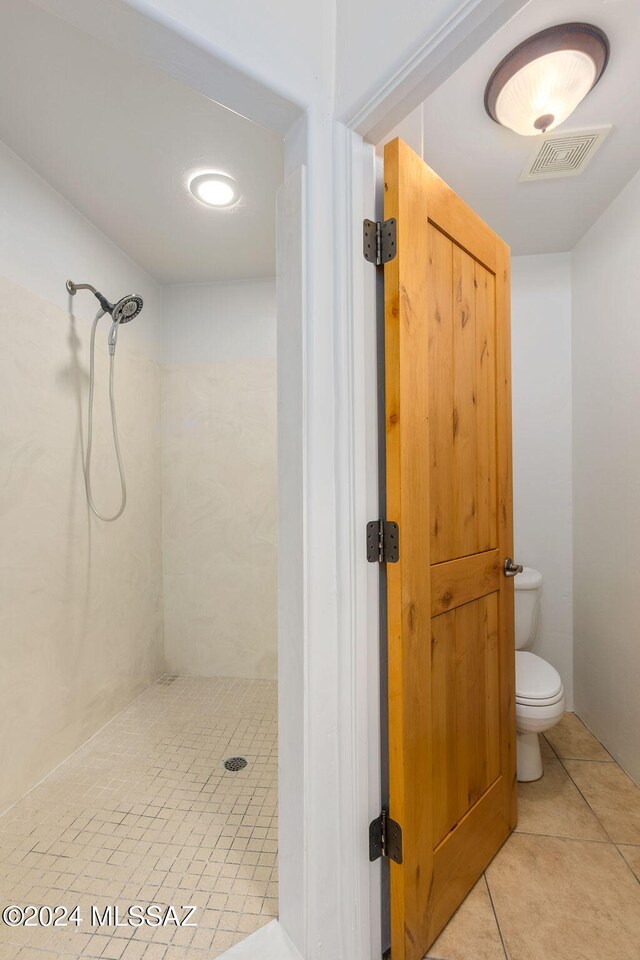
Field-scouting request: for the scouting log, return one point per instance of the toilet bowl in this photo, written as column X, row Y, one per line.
column 540, row 698
column 540, row 705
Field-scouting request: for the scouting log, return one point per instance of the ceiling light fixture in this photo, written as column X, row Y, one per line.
column 542, row 81
column 214, row 189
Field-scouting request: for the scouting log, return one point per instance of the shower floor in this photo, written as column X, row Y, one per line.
column 145, row 813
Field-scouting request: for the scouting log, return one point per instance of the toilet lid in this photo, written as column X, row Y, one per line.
column 536, row 680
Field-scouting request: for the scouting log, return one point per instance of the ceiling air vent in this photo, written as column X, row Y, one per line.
column 563, row 154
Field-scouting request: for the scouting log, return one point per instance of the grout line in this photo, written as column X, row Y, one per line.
column 611, row 758
column 558, row 836
column 495, row 914
column 586, row 759
column 587, row 727
column 626, row 862
column 568, row 772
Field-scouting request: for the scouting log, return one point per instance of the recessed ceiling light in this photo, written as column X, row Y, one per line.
column 542, row 81
column 214, row 189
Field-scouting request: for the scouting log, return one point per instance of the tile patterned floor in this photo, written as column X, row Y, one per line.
column 145, row 813
column 565, row 886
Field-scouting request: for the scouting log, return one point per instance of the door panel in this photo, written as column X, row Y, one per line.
column 465, row 709
column 450, row 607
column 460, row 581
column 441, row 399
column 462, row 402
column 485, row 396
column 463, row 437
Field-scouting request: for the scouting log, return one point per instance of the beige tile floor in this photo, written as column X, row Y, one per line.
column 565, row 886
column 145, row 813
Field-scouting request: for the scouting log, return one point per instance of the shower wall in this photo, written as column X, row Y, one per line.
column 81, row 631
column 220, row 479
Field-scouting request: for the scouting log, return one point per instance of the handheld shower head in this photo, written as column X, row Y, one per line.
column 127, row 309
column 123, row 311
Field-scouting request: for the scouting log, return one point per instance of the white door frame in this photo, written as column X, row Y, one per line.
column 328, row 460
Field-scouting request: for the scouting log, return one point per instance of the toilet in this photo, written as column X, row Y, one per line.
column 539, row 692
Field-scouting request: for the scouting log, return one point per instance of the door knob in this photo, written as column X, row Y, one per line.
column 511, row 568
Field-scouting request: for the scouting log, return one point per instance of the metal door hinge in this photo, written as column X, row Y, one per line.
column 379, row 240
column 383, row 541
column 385, row 838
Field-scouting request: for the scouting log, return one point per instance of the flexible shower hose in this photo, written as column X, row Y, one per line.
column 116, row 442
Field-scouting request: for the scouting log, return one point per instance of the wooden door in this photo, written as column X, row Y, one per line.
column 451, row 684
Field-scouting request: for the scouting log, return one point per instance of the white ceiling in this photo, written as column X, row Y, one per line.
column 483, row 161
column 118, row 139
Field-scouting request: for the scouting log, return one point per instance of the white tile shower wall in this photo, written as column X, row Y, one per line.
column 220, row 479
column 606, row 450
column 542, row 470
column 80, row 601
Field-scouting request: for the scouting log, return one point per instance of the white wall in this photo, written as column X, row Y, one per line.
column 219, row 322
column 367, row 32
column 542, row 481
column 44, row 241
column 80, row 601
column 286, row 44
column 606, row 450
column 220, row 479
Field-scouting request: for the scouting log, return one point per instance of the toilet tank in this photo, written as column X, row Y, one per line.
column 528, row 586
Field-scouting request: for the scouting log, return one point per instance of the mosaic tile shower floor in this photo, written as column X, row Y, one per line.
column 145, row 813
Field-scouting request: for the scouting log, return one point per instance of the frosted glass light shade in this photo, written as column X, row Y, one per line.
column 541, row 82
column 547, row 89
